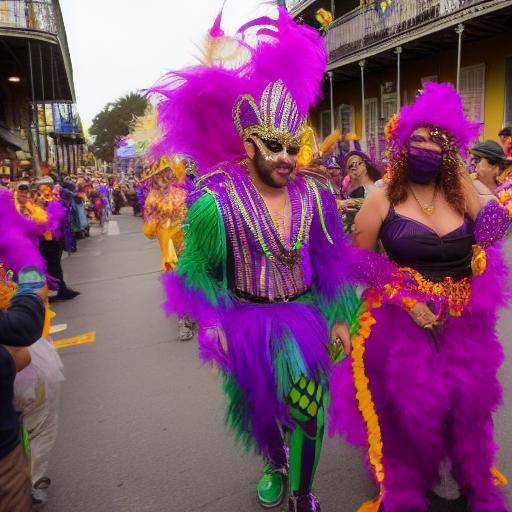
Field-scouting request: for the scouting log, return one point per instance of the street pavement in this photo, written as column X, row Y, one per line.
column 141, row 422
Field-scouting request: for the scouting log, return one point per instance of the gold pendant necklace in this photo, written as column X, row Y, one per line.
column 427, row 208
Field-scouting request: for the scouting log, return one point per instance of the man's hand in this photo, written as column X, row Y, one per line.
column 340, row 336
column 221, row 336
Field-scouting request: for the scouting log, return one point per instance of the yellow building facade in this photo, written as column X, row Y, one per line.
column 395, row 52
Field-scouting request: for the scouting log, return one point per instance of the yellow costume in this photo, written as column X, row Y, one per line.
column 165, row 208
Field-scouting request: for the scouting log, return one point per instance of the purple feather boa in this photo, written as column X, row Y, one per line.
column 57, row 218
column 432, row 405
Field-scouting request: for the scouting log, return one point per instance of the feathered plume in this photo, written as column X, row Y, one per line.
column 329, row 143
column 18, row 243
column 195, row 113
column 439, row 105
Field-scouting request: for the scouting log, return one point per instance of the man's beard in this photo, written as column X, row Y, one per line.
column 264, row 169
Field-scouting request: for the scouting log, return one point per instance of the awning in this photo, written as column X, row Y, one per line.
column 13, row 139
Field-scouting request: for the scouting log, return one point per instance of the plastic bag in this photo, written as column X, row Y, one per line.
column 36, row 396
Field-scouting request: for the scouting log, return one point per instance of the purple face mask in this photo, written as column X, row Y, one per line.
column 423, row 165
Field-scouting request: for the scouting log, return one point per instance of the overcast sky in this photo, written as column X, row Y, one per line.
column 119, row 46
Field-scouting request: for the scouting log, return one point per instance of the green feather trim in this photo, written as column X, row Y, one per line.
column 288, row 365
column 205, row 249
column 237, row 417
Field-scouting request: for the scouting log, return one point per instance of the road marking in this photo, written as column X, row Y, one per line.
column 88, row 337
column 54, row 329
column 113, row 228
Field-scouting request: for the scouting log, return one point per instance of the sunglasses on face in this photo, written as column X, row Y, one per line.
column 23, row 188
column 277, row 147
column 355, row 165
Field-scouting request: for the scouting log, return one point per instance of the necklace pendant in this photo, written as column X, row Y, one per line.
column 429, row 210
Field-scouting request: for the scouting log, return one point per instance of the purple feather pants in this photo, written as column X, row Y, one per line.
column 431, row 405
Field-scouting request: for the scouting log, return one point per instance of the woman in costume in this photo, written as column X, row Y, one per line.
column 425, row 357
column 163, row 195
column 260, row 272
column 164, row 208
column 361, row 175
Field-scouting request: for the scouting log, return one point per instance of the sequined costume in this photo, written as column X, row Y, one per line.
column 165, row 207
column 422, row 396
column 272, row 294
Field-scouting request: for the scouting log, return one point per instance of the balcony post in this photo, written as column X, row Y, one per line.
column 362, row 64
column 43, row 99
column 36, row 146
column 398, row 52
column 459, row 30
column 331, row 85
column 333, row 9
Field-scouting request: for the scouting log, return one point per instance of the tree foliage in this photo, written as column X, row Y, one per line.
column 113, row 122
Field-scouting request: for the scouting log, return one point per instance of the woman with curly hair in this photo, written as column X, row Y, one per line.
column 425, row 353
column 361, row 174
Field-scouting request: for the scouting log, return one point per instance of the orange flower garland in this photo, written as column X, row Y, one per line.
column 364, row 396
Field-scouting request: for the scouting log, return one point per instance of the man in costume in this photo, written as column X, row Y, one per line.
column 425, row 357
column 262, row 271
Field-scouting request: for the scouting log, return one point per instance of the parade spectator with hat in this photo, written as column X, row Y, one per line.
column 505, row 136
column 491, row 167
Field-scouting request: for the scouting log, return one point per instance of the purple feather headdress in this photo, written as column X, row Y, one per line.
column 438, row 106
column 197, row 107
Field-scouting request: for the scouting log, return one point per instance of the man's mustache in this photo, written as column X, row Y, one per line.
column 283, row 165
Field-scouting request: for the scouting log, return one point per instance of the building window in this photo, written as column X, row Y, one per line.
column 508, row 92
column 347, row 119
column 372, row 126
column 472, row 90
column 325, row 124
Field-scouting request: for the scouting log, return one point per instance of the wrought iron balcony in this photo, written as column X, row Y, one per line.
column 38, row 15
column 295, row 7
column 365, row 30
column 39, row 20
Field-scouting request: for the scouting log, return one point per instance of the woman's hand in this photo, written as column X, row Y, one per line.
column 347, row 205
column 422, row 315
column 340, row 337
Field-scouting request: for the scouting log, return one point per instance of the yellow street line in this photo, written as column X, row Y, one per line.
column 54, row 329
column 88, row 337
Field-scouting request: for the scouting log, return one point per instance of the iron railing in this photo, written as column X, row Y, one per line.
column 36, row 15
column 292, row 4
column 365, row 26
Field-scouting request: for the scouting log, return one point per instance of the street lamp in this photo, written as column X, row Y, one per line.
column 14, row 79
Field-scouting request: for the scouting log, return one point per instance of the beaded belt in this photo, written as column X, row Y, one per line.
column 247, row 297
column 410, row 286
